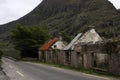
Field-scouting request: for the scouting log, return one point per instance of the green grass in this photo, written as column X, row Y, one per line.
column 87, row 71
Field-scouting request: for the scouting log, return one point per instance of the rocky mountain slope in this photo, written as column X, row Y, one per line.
column 71, row 17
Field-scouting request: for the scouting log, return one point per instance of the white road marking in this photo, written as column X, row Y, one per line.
column 20, row 73
column 10, row 66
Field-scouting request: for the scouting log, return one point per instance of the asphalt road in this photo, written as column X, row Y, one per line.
column 31, row 71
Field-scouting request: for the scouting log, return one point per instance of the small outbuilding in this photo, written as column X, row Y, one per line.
column 49, row 47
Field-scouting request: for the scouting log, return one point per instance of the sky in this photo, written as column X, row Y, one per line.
column 14, row 9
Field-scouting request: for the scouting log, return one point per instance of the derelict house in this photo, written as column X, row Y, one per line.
column 73, row 51
column 49, row 51
column 90, row 36
column 87, row 50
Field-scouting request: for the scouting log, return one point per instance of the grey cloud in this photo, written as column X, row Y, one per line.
column 2, row 1
column 14, row 9
column 116, row 3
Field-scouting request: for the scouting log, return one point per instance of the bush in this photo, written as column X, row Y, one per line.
column 28, row 39
column 11, row 52
column 1, row 53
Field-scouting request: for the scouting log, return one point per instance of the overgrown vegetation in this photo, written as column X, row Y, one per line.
column 65, row 37
column 28, row 39
column 9, row 51
column 1, row 53
column 72, row 17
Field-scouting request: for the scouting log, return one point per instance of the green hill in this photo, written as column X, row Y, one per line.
column 71, row 17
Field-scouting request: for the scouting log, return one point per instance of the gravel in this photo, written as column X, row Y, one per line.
column 3, row 76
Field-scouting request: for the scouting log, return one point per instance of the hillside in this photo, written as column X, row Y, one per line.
column 71, row 16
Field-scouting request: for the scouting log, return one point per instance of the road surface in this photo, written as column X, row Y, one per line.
column 32, row 71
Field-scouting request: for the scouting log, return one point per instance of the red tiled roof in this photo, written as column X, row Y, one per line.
column 47, row 45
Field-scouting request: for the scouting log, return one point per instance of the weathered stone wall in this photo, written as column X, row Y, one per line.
column 84, row 58
column 61, row 57
column 52, row 56
column 74, row 59
column 114, row 63
column 113, row 49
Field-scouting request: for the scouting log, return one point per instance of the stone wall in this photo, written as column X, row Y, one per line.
column 52, row 56
column 89, row 57
column 114, row 63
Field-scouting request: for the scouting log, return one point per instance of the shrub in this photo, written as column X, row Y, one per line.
column 1, row 53
column 28, row 39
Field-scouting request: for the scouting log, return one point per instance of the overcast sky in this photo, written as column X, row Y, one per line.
column 13, row 9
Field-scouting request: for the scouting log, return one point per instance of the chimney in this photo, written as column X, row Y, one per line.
column 60, row 38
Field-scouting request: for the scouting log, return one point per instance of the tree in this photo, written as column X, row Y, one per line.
column 65, row 36
column 2, row 44
column 28, row 39
column 1, row 53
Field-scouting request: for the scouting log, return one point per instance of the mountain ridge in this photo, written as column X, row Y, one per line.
column 70, row 16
